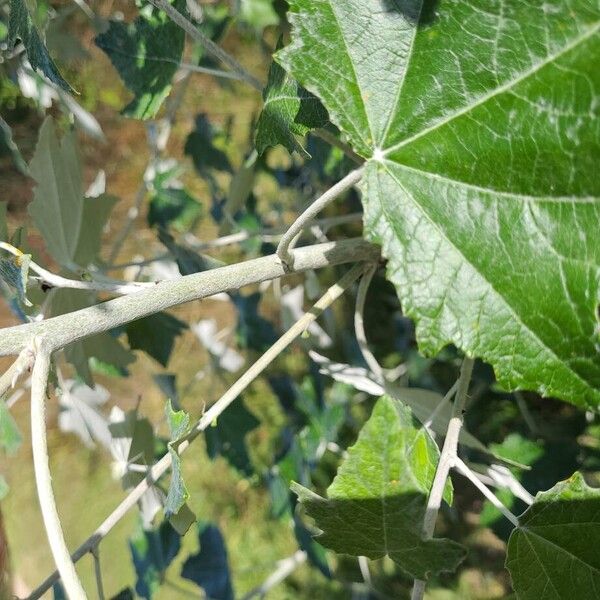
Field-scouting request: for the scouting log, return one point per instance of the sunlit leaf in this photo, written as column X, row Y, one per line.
column 553, row 553
column 376, row 503
column 479, row 123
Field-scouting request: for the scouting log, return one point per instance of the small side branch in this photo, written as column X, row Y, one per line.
column 464, row 470
column 330, row 296
column 359, row 325
column 284, row 569
column 65, row 565
column 208, row 44
column 23, row 363
column 447, row 460
column 290, row 237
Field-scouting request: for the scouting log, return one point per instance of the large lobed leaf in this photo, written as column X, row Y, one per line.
column 479, row 123
column 376, row 503
column 553, row 554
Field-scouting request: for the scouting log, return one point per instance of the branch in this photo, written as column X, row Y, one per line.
column 43, row 479
column 23, row 363
column 447, row 460
column 289, row 238
column 57, row 281
column 332, row 294
column 464, row 470
column 284, row 569
column 208, row 44
column 78, row 325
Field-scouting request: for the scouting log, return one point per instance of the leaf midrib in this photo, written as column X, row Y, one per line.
column 498, row 90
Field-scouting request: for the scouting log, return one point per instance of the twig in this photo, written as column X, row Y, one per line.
column 465, row 471
column 328, row 137
column 284, row 569
column 207, row 43
column 447, row 459
column 526, row 413
column 98, row 572
column 58, row 281
column 363, row 565
column 332, row 294
column 75, row 326
column 23, row 363
column 43, row 479
column 289, row 238
column 267, row 235
column 359, row 325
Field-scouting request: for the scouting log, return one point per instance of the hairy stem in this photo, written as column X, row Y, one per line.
column 330, row 296
column 447, row 460
column 43, row 479
column 290, row 237
column 23, row 363
column 72, row 327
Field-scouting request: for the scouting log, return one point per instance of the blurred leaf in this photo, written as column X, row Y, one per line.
column 226, row 357
column 209, row 568
column 187, row 260
column 227, row 436
column 10, row 436
column 71, row 225
column 20, row 26
column 152, row 552
column 288, row 110
column 377, row 501
column 258, row 14
column 80, row 412
column 553, row 553
column 171, row 206
column 146, row 54
column 3, row 226
column 166, row 384
column 200, row 146
column 124, row 594
column 253, row 331
column 155, row 335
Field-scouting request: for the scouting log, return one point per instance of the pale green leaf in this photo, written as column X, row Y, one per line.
column 146, row 53
column 20, row 26
column 10, row 436
column 376, row 503
column 70, row 224
column 553, row 553
column 479, row 123
column 178, row 494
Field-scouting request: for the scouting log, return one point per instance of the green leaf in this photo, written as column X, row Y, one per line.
column 227, row 437
column 376, row 503
column 173, row 206
column 146, row 53
column 178, row 495
column 200, row 146
column 288, row 110
column 479, row 123
column 20, row 26
column 71, row 225
column 3, row 227
column 10, row 436
column 553, row 554
column 14, row 271
column 155, row 335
